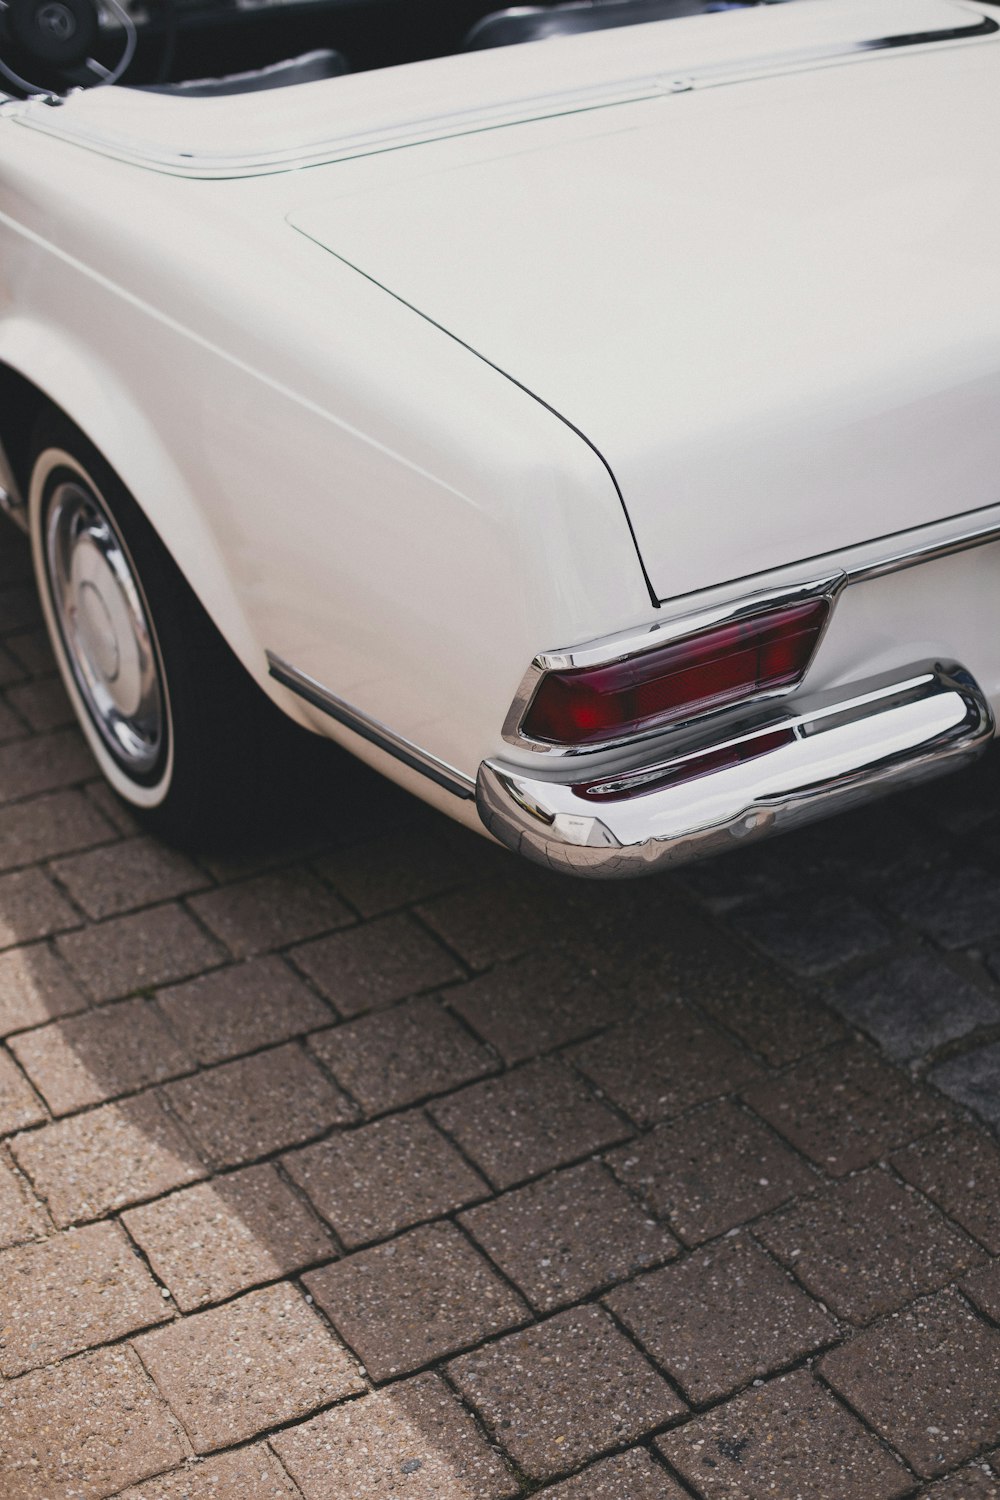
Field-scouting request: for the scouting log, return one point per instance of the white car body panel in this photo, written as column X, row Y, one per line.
column 398, row 416
column 770, row 326
column 179, row 400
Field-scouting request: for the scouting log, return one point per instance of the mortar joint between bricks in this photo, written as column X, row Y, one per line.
column 137, row 1250
column 527, row 1484
column 855, row 1412
column 442, row 942
column 299, row 1192
column 321, row 1313
column 977, row 1312
column 287, row 959
column 890, row 1169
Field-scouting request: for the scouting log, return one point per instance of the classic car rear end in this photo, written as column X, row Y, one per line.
column 600, row 434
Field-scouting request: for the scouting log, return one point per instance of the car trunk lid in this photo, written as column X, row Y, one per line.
column 772, row 307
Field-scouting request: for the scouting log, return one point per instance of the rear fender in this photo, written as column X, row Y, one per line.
column 89, row 391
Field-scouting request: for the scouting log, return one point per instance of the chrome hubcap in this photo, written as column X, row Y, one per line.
column 104, row 627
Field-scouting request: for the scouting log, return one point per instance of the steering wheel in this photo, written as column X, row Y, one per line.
column 58, row 37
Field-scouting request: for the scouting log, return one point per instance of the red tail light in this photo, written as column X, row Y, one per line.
column 721, row 665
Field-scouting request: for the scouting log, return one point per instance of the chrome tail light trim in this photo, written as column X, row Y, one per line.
column 819, row 754
column 662, row 632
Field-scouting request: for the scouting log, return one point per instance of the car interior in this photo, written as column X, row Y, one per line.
column 200, row 48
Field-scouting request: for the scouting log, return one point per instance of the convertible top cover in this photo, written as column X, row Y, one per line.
column 353, row 115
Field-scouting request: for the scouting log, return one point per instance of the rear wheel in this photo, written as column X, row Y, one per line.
column 172, row 718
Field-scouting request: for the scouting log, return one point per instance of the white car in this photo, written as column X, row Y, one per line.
column 599, row 435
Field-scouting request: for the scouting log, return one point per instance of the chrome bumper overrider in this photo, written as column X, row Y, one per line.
column 740, row 775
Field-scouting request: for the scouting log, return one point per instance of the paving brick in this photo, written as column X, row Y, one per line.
column 563, row 1237
column 815, row 934
column 527, row 1122
column 956, row 907
column 33, row 651
column 31, row 907
column 137, row 952
column 397, row 1057
column 398, row 869
column 89, row 1165
column 627, row 1476
column 983, row 1287
column 663, row 1061
column 960, row 803
column 236, row 1370
column 19, row 1105
column 915, row 1004
column 846, row 1108
column 372, row 1182
column 757, row 871
column 721, row 1318
column 412, row 1300
column 34, row 988
column 246, row 1474
column 788, row 1438
column 241, row 1008
column 711, row 1170
column 868, row 1245
column 64, row 1294
column 21, row 1217
column 538, row 1002
column 12, row 725
column 751, row 998
column 221, row 1237
column 973, row 1079
column 565, row 1391
column 15, row 563
column 259, row 854
column 934, row 1359
column 54, row 823
column 42, row 704
column 413, row 1438
column 84, row 1429
column 89, row 1058
column 56, row 760
column 975, row 1483
column 19, row 606
column 497, row 919
column 960, row 1170
column 11, row 670
column 258, row 1104
column 368, row 967
column 111, row 807
column 643, row 941
column 122, row 876
column 270, row 911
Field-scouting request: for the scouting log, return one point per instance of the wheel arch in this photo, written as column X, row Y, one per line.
column 40, row 367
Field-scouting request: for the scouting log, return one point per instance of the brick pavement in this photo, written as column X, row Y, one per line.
column 369, row 1164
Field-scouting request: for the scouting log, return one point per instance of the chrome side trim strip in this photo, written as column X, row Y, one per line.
column 871, row 559
column 747, row 775
column 380, row 735
column 903, row 556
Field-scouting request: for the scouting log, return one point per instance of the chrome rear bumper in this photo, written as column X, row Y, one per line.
column 740, row 775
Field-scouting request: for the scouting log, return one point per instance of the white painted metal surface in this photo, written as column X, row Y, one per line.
column 757, row 302
column 381, row 410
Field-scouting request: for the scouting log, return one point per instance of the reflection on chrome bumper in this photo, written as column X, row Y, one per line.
column 738, row 776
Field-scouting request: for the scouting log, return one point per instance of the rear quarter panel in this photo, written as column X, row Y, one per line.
column 340, row 481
